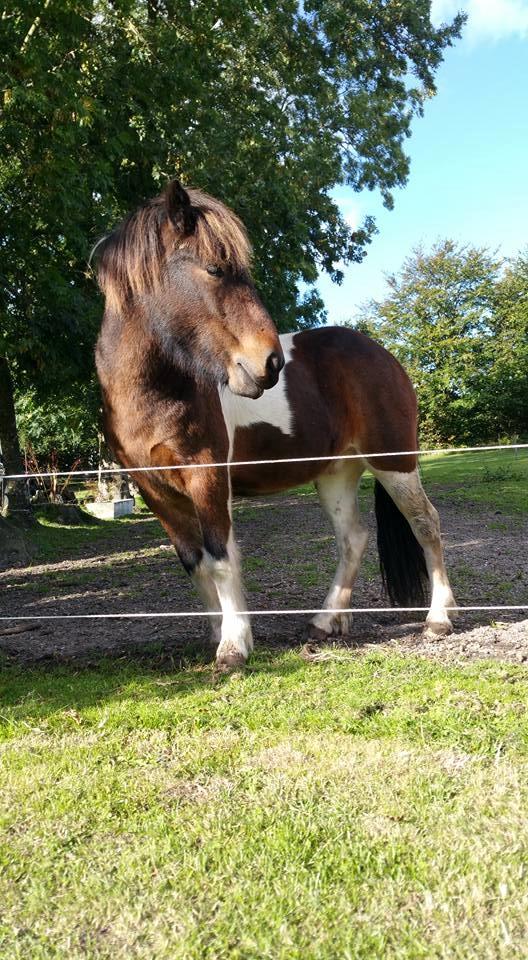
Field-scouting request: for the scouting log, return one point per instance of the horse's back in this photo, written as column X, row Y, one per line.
column 339, row 392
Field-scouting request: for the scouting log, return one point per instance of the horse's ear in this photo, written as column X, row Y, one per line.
column 179, row 208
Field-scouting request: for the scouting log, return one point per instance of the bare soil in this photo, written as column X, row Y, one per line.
column 289, row 559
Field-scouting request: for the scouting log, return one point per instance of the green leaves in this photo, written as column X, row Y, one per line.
column 267, row 105
column 263, row 104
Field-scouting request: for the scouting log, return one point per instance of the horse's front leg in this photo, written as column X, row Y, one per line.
column 177, row 515
column 206, row 588
column 220, row 565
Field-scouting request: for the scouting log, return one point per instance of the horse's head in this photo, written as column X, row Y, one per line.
column 220, row 316
column 184, row 259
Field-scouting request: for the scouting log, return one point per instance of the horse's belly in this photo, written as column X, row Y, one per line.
column 259, row 444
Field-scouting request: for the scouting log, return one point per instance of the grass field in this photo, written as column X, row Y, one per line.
column 362, row 808
column 496, row 477
column 366, row 806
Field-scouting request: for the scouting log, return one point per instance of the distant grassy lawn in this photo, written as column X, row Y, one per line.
column 495, row 478
column 357, row 808
column 498, row 477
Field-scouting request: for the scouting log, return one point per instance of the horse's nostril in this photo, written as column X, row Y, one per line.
column 275, row 362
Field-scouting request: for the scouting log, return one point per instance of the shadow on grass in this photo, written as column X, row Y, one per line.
column 49, row 541
column 29, row 693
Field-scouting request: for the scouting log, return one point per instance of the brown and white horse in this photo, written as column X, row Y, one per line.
column 189, row 362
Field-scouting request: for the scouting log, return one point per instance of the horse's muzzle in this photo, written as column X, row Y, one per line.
column 244, row 380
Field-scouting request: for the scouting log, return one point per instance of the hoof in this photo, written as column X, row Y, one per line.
column 438, row 628
column 342, row 625
column 316, row 636
column 229, row 663
column 337, row 626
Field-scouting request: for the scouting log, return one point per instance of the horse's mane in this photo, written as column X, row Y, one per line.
column 131, row 260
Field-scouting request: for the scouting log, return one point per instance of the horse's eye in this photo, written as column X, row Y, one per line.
column 215, row 271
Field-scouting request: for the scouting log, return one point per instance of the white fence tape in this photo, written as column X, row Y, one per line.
column 248, row 613
column 261, row 463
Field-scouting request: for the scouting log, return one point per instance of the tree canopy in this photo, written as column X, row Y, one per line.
column 265, row 104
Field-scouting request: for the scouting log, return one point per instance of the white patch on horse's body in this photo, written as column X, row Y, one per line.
column 272, row 407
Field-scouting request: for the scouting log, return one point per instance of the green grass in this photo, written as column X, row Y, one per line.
column 362, row 807
column 496, row 478
column 370, row 807
column 51, row 541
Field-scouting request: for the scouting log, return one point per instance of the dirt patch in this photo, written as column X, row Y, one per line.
column 198, row 791
column 289, row 560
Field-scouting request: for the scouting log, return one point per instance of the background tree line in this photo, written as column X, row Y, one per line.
column 267, row 104
column 457, row 318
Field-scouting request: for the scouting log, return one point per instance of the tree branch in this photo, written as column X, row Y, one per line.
column 34, row 26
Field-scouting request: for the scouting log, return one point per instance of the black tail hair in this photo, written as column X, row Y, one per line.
column 402, row 561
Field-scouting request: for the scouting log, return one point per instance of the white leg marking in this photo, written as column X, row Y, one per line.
column 338, row 495
column 409, row 496
column 206, row 587
column 236, row 638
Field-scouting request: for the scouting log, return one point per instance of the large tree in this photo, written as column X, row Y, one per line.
column 457, row 318
column 266, row 103
column 508, row 379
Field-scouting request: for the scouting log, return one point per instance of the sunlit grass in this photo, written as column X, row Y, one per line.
column 362, row 807
column 51, row 541
column 498, row 477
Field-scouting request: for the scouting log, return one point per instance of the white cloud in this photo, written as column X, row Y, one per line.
column 487, row 19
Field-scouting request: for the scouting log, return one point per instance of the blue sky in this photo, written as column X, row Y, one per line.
column 469, row 157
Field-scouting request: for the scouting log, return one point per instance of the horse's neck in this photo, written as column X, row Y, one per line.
column 151, row 403
column 134, row 366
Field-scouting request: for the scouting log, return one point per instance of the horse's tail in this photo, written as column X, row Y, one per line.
column 402, row 561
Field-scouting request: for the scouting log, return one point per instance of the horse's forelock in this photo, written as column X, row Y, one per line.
column 219, row 235
column 131, row 260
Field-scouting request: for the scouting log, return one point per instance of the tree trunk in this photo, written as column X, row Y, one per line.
column 15, row 494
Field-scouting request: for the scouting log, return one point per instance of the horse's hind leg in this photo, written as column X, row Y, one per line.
column 338, row 493
column 406, row 490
